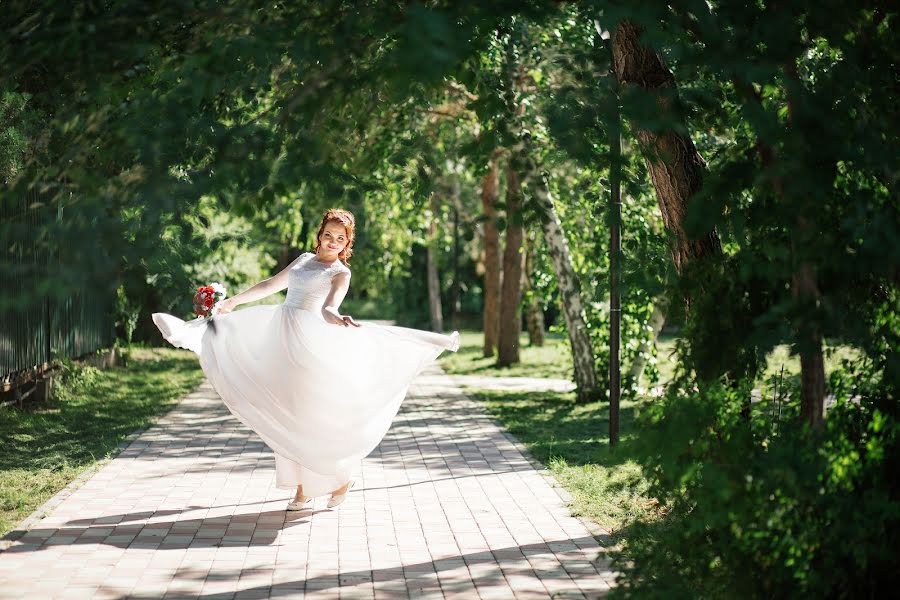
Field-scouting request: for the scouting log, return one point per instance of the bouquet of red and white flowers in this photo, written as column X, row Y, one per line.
column 207, row 299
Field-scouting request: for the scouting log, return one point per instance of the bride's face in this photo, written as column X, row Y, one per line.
column 333, row 239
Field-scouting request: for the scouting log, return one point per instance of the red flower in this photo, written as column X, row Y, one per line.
column 205, row 299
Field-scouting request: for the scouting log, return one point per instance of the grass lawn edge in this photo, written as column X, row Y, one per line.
column 601, row 534
column 26, row 524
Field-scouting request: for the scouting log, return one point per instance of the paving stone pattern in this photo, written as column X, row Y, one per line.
column 446, row 507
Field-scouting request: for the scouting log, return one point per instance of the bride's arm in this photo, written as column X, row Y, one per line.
column 264, row 288
column 339, row 286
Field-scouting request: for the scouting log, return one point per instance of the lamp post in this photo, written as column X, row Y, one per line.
column 615, row 244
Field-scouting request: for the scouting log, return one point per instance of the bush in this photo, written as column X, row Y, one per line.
column 72, row 379
column 19, row 125
column 766, row 508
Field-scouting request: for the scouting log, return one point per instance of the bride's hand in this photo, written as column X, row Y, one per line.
column 348, row 320
column 332, row 316
column 226, row 307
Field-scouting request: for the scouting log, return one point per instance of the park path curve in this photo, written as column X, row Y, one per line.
column 448, row 506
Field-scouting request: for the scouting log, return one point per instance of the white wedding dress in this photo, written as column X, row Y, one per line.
column 322, row 396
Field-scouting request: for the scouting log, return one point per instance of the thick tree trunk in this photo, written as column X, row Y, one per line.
column 435, row 310
column 812, row 362
column 812, row 386
column 804, row 289
column 534, row 315
column 491, row 319
column 806, row 292
column 588, row 388
column 513, row 260
column 675, row 166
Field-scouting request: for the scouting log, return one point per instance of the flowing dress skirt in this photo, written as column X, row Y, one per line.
column 322, row 396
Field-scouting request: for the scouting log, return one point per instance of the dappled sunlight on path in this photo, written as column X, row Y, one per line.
column 447, row 505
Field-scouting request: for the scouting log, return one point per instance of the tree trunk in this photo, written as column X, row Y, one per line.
column 534, row 315
column 434, row 284
column 454, row 291
column 804, row 289
column 289, row 252
column 511, row 289
column 491, row 319
column 675, row 166
column 656, row 323
column 570, row 294
column 588, row 388
column 812, row 361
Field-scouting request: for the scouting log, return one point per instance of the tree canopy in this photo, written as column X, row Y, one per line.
column 146, row 145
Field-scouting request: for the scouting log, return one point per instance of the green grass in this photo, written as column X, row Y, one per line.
column 367, row 309
column 780, row 356
column 48, row 445
column 572, row 440
column 552, row 360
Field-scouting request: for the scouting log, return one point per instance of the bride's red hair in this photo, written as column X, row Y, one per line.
column 345, row 218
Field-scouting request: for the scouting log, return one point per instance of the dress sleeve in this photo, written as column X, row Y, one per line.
column 303, row 258
column 339, row 267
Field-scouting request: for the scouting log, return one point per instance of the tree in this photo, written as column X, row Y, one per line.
column 513, row 262
column 534, row 314
column 434, row 283
column 523, row 154
column 588, row 388
column 492, row 265
column 672, row 159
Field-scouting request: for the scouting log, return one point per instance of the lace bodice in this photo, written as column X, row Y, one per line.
column 309, row 282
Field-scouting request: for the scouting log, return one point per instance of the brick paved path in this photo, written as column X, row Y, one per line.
column 447, row 506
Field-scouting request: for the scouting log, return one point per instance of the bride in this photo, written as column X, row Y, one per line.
column 319, row 388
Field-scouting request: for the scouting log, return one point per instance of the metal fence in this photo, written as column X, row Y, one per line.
column 34, row 332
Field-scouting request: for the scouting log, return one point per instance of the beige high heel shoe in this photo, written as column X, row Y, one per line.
column 338, row 499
